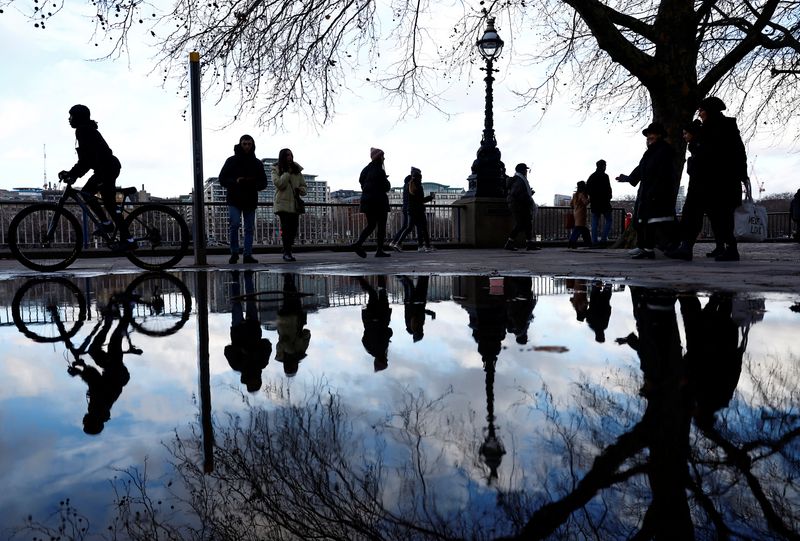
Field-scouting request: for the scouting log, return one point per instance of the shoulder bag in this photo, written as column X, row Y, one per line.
column 749, row 219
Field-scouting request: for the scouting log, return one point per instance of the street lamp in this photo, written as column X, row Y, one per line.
column 488, row 182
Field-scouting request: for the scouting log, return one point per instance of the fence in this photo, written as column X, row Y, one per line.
column 339, row 224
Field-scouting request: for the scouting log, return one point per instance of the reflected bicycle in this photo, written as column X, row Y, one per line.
column 53, row 309
column 49, row 237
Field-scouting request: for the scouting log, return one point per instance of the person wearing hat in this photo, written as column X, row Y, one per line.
column 520, row 201
column 727, row 170
column 654, row 210
column 248, row 353
column 374, row 202
column 579, row 203
column 95, row 154
column 598, row 188
column 243, row 176
column 698, row 194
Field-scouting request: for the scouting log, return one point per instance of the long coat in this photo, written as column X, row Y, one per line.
column 579, row 204
column 284, row 183
column 658, row 183
column 374, row 188
column 243, row 195
column 520, row 197
column 727, row 160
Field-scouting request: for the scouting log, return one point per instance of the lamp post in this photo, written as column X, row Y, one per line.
column 486, row 168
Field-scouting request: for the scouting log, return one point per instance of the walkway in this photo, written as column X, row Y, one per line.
column 766, row 267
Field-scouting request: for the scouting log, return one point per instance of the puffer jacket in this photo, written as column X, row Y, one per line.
column 657, row 181
column 374, row 188
column 243, row 195
column 284, row 183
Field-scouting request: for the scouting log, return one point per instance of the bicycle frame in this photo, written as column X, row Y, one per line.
column 80, row 198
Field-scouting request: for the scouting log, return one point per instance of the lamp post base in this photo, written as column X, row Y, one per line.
column 485, row 221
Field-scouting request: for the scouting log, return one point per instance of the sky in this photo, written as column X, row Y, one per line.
column 51, row 70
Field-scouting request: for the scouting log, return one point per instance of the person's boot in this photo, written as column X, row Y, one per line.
column 682, row 251
column 510, row 246
column 382, row 253
column 731, row 253
column 531, row 246
column 716, row 251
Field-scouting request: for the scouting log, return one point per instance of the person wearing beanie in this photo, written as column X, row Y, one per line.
column 726, row 161
column 520, row 202
column 243, row 176
column 374, row 202
column 95, row 154
column 414, row 193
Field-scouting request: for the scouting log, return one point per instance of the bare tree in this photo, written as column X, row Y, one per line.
column 625, row 58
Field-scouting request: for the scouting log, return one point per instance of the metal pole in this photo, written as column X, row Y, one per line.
column 197, row 155
column 204, row 370
column 488, row 123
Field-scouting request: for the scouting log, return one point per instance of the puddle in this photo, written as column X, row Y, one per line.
column 396, row 407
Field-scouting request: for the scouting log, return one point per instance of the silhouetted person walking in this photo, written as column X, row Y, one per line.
column 376, row 317
column 599, row 312
column 520, row 302
column 520, row 201
column 415, row 298
column 374, row 202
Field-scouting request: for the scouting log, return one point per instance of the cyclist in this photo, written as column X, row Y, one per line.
column 94, row 153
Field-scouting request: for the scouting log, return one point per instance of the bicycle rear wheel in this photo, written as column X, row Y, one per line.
column 34, row 247
column 44, row 306
column 163, row 303
column 161, row 234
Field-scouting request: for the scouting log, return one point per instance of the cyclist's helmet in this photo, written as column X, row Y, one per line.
column 80, row 113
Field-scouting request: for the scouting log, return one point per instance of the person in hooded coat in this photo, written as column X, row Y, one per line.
column 243, row 176
column 95, row 154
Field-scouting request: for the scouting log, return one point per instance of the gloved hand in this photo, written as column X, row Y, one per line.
column 65, row 177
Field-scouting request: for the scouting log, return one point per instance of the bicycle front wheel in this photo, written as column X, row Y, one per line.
column 161, row 234
column 48, row 309
column 45, row 237
column 163, row 303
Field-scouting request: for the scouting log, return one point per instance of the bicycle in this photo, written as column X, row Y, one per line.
column 53, row 309
column 48, row 237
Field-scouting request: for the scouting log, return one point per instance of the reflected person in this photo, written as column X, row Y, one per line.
column 105, row 387
column 579, row 300
column 599, row 312
column 248, row 353
column 415, row 298
column 293, row 337
column 520, row 302
column 713, row 353
column 376, row 317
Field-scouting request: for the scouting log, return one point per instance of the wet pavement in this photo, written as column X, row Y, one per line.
column 764, row 266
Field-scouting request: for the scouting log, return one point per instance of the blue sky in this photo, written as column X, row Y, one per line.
column 51, row 70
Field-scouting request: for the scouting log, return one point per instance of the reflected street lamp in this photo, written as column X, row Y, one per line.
column 486, row 168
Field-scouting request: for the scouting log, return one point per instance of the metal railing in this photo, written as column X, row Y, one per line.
column 334, row 225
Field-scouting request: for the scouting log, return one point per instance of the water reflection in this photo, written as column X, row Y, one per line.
column 680, row 428
column 248, row 353
column 54, row 309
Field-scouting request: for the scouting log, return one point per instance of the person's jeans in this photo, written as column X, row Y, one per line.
column 236, row 215
column 596, row 226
